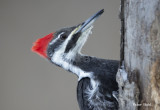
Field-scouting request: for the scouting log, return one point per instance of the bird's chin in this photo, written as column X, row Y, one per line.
column 88, row 29
column 84, row 36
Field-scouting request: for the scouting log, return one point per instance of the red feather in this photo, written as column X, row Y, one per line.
column 40, row 45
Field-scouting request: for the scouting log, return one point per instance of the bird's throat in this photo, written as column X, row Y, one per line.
column 70, row 64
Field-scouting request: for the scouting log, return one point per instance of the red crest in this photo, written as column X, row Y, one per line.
column 40, row 45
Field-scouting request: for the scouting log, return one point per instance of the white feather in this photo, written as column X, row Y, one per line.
column 64, row 60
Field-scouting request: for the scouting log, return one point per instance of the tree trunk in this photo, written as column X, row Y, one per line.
column 139, row 73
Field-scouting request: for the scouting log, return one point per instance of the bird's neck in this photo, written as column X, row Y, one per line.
column 69, row 62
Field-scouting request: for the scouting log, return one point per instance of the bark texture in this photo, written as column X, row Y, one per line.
column 139, row 74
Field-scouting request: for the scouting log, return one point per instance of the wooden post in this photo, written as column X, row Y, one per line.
column 139, row 73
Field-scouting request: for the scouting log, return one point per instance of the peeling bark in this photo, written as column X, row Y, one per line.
column 140, row 52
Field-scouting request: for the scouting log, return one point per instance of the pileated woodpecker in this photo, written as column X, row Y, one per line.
column 97, row 87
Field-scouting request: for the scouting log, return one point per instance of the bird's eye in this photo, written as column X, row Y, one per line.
column 63, row 37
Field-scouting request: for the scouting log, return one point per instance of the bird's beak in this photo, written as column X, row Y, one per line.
column 80, row 34
column 85, row 25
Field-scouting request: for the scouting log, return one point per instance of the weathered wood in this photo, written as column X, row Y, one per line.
column 140, row 52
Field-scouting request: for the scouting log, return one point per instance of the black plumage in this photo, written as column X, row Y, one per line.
column 104, row 72
column 97, row 88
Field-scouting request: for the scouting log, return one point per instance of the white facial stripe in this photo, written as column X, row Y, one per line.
column 60, row 34
column 84, row 38
column 63, row 59
column 56, row 38
column 63, row 46
column 80, row 43
column 58, row 59
column 53, row 41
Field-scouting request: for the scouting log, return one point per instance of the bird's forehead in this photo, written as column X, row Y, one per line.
column 66, row 30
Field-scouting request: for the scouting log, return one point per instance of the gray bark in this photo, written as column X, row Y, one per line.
column 139, row 73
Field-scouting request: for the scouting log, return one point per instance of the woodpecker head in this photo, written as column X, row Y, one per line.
column 65, row 44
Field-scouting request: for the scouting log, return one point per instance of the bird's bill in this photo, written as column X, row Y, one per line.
column 80, row 34
column 88, row 23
